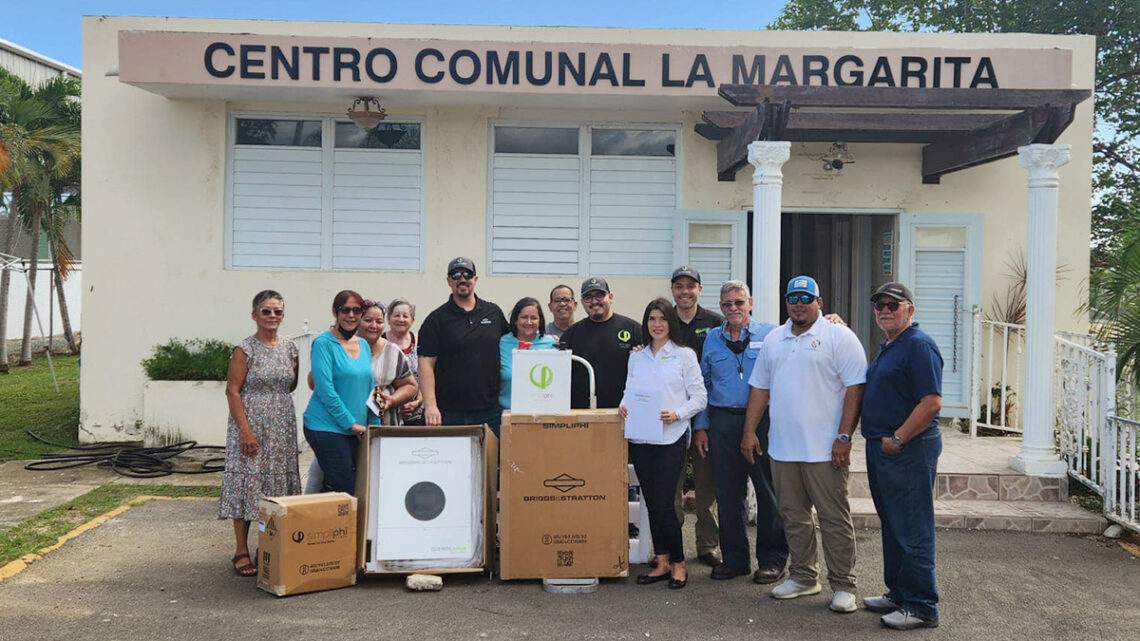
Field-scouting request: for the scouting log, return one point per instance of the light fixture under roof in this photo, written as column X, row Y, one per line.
column 364, row 118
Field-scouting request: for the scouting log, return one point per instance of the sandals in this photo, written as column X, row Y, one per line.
column 247, row 569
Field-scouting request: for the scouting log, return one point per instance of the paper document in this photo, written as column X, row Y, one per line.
column 644, row 420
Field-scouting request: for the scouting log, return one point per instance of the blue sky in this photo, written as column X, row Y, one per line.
column 52, row 27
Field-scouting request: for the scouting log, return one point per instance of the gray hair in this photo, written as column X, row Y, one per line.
column 735, row 285
column 400, row 301
column 265, row 295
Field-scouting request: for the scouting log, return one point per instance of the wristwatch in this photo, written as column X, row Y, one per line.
column 897, row 441
column 844, row 438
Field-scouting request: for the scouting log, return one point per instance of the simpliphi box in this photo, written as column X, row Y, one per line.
column 306, row 543
column 564, row 507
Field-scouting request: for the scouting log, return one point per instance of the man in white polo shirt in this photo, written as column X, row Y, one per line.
column 810, row 374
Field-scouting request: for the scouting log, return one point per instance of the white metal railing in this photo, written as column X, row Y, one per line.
column 997, row 375
column 1122, row 479
column 1084, row 398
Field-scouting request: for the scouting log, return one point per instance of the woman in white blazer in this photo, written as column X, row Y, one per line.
column 667, row 367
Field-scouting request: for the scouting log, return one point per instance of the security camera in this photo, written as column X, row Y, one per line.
column 836, row 164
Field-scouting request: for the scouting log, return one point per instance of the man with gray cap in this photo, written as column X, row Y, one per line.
column 811, row 374
column 604, row 339
column 696, row 321
column 900, row 423
column 459, row 354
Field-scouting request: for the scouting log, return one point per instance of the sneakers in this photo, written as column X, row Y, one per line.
column 790, row 589
column 903, row 620
column 880, row 604
column 843, row 602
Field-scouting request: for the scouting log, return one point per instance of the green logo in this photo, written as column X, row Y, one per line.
column 541, row 376
column 624, row 336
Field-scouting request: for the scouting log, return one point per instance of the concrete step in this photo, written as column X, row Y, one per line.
column 1018, row 516
column 952, row 486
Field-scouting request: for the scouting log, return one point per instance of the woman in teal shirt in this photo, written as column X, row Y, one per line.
column 341, row 364
column 527, row 323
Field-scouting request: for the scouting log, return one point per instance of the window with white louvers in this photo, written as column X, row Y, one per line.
column 582, row 200
column 322, row 194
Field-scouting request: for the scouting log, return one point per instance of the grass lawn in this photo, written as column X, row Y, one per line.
column 46, row 527
column 29, row 402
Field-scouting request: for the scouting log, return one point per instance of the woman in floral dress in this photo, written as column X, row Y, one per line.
column 261, row 442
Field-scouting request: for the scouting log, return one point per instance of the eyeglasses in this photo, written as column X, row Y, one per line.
column 562, row 299
column 893, row 306
column 461, row 275
column 345, row 309
column 729, row 304
column 592, row 296
column 265, row 311
column 806, row 299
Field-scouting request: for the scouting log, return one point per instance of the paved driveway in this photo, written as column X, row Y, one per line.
column 159, row 572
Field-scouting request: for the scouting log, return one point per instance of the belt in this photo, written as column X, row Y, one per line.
column 738, row 411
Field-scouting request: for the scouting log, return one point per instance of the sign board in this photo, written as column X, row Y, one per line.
column 540, row 381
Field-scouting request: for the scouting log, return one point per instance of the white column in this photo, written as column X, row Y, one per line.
column 768, row 156
column 1038, row 456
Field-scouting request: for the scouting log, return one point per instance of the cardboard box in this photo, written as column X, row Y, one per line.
column 365, row 484
column 564, row 507
column 306, row 543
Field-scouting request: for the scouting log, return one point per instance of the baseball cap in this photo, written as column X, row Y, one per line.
column 685, row 270
column 897, row 291
column 805, row 284
column 595, row 284
column 460, row 264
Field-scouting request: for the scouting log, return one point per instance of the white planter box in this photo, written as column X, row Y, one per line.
column 175, row 411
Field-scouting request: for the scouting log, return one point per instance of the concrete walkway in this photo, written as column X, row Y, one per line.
column 160, row 571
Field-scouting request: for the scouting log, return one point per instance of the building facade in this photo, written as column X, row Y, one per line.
column 218, row 161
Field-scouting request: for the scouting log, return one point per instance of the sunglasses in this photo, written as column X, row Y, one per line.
column 345, row 309
column 265, row 311
column 806, row 299
column 729, row 304
column 461, row 275
column 562, row 300
column 893, row 306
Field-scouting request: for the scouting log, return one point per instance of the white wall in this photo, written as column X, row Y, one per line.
column 17, row 295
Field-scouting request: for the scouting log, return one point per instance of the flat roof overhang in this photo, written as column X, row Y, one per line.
column 960, row 128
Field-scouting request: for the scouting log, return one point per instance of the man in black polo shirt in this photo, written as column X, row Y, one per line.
column 459, row 354
column 604, row 339
column 696, row 321
column 900, row 422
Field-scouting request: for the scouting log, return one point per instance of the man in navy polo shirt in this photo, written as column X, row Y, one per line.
column 900, row 422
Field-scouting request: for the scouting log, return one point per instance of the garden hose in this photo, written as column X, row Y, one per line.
column 127, row 459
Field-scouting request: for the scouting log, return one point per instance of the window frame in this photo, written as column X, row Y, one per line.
column 585, row 154
column 328, row 149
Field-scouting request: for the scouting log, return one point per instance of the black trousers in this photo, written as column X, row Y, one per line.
column 658, row 467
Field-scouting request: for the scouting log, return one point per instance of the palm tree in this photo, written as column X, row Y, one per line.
column 39, row 128
column 1114, row 301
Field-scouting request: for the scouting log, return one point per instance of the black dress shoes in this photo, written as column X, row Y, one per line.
column 646, row 579
column 725, row 571
column 677, row 584
column 767, row 575
column 711, row 559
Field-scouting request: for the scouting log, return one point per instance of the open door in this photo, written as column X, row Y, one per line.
column 940, row 259
column 716, row 243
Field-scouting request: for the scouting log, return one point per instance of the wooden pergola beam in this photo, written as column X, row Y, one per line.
column 984, row 144
column 901, row 97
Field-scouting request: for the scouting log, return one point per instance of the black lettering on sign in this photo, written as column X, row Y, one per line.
column 783, row 72
column 224, row 72
column 984, row 74
column 957, row 62
column 316, row 53
column 913, row 67
column 566, row 65
column 426, row 53
column 815, row 67
column 666, row 81
column 753, row 75
column 626, row 79
column 853, row 79
column 548, row 61
column 503, row 73
column 882, row 74
column 370, row 65
column 700, row 71
column 248, row 63
column 476, row 67
column 346, row 59
column 604, row 70
column 278, row 61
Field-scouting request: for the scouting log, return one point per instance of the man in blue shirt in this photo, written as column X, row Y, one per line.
column 900, row 422
column 729, row 356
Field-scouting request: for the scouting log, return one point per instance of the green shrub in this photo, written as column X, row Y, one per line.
column 189, row 360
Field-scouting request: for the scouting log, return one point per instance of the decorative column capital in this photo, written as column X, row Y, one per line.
column 769, row 155
column 1043, row 163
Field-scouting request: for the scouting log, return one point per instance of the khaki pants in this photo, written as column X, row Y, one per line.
column 708, row 532
column 799, row 487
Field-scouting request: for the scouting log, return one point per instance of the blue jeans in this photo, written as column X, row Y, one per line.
column 336, row 454
column 731, row 473
column 491, row 417
column 902, row 487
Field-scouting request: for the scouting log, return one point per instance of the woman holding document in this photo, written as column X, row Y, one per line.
column 664, row 390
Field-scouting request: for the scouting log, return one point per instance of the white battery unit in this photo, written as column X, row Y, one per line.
column 422, row 488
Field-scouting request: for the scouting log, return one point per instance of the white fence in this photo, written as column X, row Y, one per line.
column 1084, row 397
column 998, row 375
column 1122, row 480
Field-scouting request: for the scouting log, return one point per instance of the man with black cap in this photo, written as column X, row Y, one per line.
column 459, row 354
column 900, row 422
column 696, row 321
column 604, row 339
